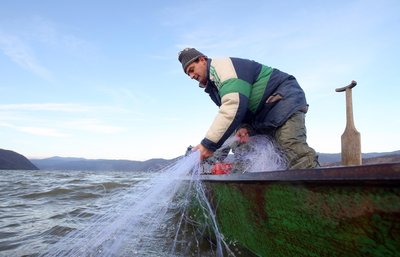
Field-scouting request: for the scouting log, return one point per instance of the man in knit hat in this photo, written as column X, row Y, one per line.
column 250, row 92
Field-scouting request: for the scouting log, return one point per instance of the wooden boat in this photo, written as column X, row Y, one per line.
column 337, row 211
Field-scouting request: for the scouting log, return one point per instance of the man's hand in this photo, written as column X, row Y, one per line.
column 242, row 135
column 204, row 152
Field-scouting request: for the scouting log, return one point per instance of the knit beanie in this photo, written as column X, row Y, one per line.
column 189, row 55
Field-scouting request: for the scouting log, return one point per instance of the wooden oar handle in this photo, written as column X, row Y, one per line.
column 351, row 85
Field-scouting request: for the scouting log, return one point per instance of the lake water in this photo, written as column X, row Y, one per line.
column 86, row 213
column 110, row 213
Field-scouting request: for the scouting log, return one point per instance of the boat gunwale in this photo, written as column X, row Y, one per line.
column 387, row 172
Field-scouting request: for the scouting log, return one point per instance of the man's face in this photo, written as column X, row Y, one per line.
column 198, row 70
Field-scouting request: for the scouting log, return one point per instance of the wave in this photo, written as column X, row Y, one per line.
column 53, row 192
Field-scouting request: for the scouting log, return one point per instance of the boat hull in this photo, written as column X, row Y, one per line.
column 343, row 211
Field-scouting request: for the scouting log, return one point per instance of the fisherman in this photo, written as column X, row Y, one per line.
column 249, row 92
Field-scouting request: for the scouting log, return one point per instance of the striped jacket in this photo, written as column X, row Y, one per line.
column 240, row 88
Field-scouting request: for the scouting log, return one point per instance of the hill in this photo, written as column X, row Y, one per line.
column 10, row 160
column 334, row 159
column 67, row 163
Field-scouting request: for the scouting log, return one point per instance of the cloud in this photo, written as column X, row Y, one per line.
column 38, row 131
column 49, row 33
column 20, row 53
column 24, row 42
column 93, row 126
column 26, row 117
column 170, row 119
column 59, row 107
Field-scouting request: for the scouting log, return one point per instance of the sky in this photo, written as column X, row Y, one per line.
column 101, row 80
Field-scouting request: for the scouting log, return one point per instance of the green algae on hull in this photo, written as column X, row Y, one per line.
column 314, row 217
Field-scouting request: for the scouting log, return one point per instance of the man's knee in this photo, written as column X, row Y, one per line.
column 292, row 138
column 304, row 159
